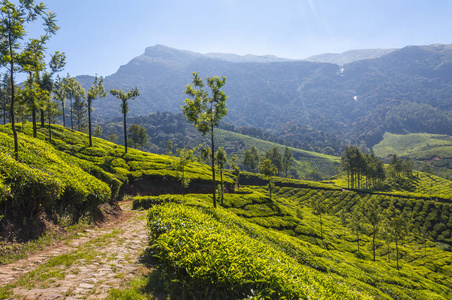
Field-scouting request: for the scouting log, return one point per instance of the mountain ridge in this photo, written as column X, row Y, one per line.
column 406, row 90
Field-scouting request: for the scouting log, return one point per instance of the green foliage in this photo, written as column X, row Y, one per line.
column 87, row 175
column 138, row 136
column 185, row 156
column 205, row 112
column 303, row 161
column 96, row 91
column 124, row 97
column 207, row 256
column 251, row 158
column 197, row 249
column 31, row 190
column 430, row 152
column 74, row 91
column 13, row 20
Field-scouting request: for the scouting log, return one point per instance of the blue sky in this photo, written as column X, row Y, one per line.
column 100, row 36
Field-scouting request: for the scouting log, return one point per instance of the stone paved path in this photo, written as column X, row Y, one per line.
column 85, row 268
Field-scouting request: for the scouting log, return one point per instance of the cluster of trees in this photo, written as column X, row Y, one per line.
column 369, row 217
column 390, row 224
column 364, row 170
column 271, row 164
column 282, row 162
column 40, row 92
column 367, row 171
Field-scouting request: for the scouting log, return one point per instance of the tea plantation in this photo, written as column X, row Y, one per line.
column 434, row 149
column 66, row 175
column 254, row 247
column 250, row 246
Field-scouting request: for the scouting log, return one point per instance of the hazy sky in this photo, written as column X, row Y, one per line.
column 100, row 36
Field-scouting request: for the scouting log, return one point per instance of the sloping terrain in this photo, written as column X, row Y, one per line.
column 66, row 177
column 250, row 246
column 406, row 90
column 434, row 149
column 256, row 247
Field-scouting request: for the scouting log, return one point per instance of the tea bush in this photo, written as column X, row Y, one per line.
column 207, row 259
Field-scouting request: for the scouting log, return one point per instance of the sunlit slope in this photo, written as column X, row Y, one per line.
column 436, row 149
column 252, row 246
column 305, row 161
column 66, row 171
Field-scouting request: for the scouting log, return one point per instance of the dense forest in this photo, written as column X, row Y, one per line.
column 405, row 90
column 163, row 127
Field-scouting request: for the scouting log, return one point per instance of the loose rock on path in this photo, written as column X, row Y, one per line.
column 87, row 267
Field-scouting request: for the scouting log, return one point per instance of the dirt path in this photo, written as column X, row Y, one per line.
column 83, row 268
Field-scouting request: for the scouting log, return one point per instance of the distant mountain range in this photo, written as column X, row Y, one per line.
column 349, row 56
column 355, row 99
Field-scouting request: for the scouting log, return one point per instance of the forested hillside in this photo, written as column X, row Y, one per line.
column 407, row 90
column 162, row 128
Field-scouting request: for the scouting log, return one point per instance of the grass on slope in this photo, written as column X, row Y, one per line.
column 254, row 247
column 67, row 179
column 305, row 161
column 418, row 185
column 433, row 148
column 105, row 160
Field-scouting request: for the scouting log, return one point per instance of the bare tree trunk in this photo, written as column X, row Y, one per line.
column 213, row 169
column 33, row 114
column 72, row 122
column 125, row 131
column 13, row 122
column 89, row 125
column 42, row 119
column 64, row 116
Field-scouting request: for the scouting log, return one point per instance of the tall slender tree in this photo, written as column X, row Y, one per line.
column 274, row 155
column 399, row 226
column 374, row 217
column 251, row 158
column 124, row 97
column 356, row 224
column 205, row 111
column 52, row 110
column 287, row 161
column 40, row 80
column 138, row 136
column 222, row 159
column 185, row 156
column 269, row 170
column 59, row 93
column 74, row 92
column 46, row 83
column 6, row 95
column 319, row 208
column 30, row 97
column 79, row 110
column 95, row 91
column 13, row 20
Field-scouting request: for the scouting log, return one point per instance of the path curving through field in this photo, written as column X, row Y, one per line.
column 87, row 267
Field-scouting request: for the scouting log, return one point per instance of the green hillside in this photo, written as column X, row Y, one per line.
column 165, row 127
column 305, row 161
column 435, row 149
column 66, row 176
column 249, row 247
column 254, row 247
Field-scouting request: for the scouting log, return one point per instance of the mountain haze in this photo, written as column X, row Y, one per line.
column 405, row 90
column 349, row 56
